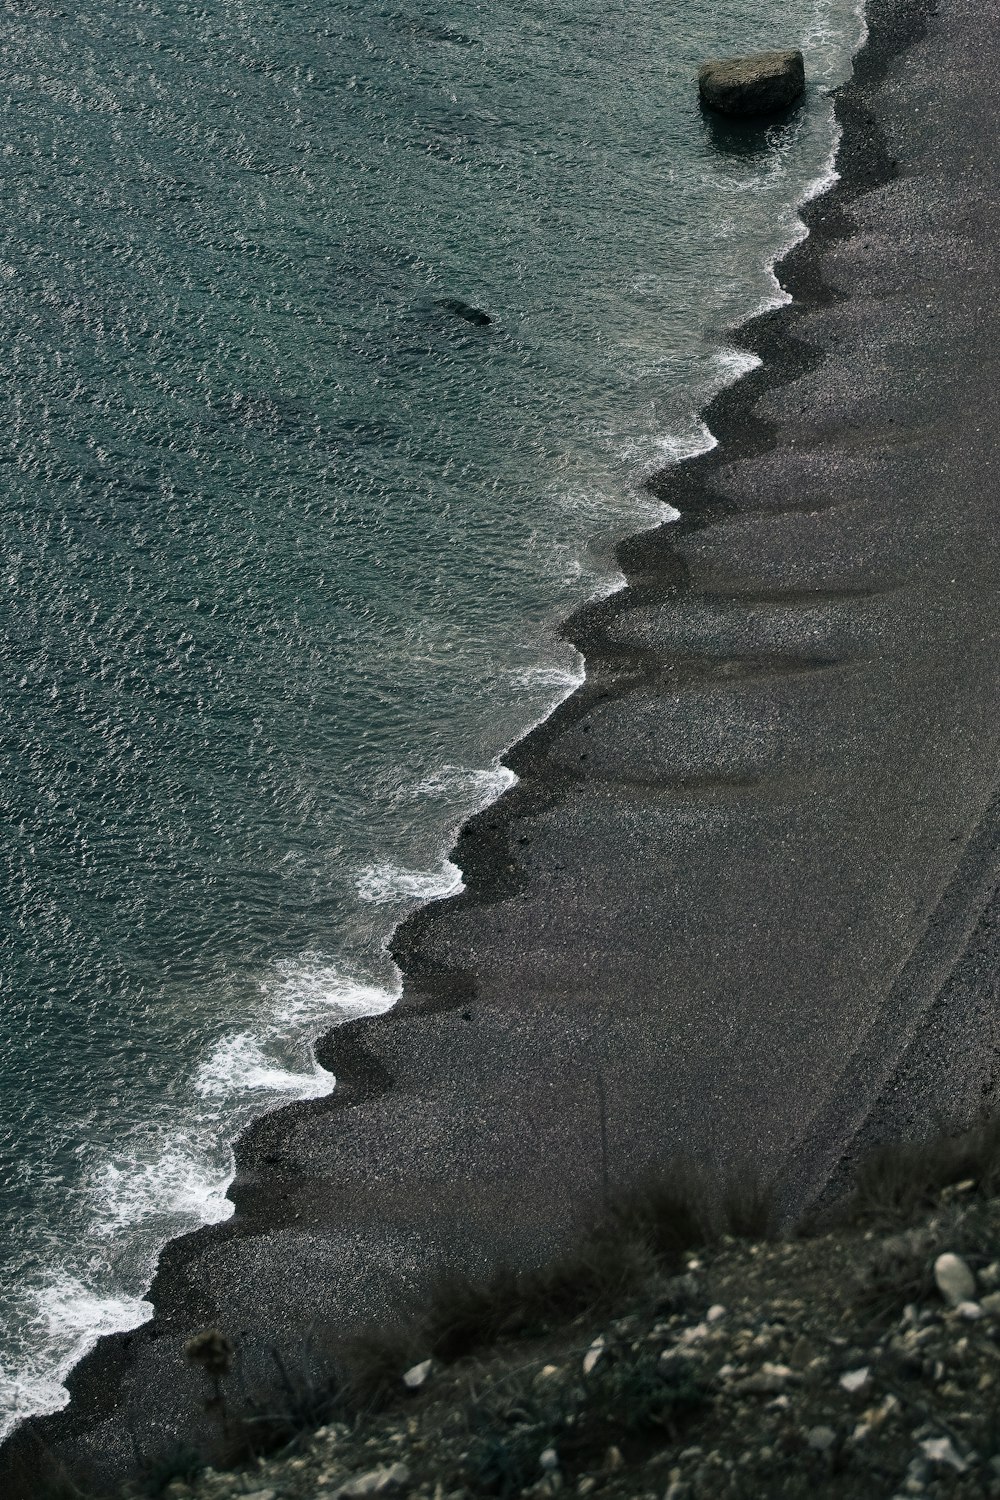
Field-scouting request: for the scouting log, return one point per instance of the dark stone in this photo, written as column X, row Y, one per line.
column 762, row 84
column 465, row 311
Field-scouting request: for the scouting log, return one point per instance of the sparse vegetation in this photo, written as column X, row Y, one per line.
column 898, row 1182
column 679, row 1352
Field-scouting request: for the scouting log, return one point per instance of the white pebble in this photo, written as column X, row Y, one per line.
column 417, row 1375
column 821, row 1439
column 955, row 1281
column 593, row 1354
column 942, row 1451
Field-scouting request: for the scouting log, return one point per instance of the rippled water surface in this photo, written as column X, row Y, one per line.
column 286, row 536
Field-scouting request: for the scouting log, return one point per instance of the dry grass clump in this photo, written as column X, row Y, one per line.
column 647, row 1233
column 898, row 1182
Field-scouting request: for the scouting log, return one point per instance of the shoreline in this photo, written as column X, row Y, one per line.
column 732, row 366
column 277, row 1170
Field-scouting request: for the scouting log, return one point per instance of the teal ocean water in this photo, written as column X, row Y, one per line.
column 286, row 536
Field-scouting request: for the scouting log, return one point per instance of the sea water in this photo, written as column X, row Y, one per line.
column 288, row 527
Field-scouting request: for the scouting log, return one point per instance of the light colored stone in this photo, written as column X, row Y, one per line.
column 715, row 1313
column 821, row 1439
column 954, row 1280
column 389, row 1481
column 971, row 1311
column 990, row 1304
column 549, row 1460
column 943, row 1451
column 416, row 1375
column 855, row 1380
column 593, row 1354
column 769, row 1380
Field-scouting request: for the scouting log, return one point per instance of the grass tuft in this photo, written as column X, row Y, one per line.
column 650, row 1231
column 375, row 1361
column 749, row 1208
column 671, row 1216
column 298, row 1401
column 898, row 1182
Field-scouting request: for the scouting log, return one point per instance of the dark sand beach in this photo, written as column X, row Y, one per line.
column 749, row 875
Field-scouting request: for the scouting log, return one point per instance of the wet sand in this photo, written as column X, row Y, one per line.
column 749, row 876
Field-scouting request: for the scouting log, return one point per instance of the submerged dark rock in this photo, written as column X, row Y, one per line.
column 465, row 311
column 760, row 84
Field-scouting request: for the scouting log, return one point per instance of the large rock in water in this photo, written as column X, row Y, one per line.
column 758, row 85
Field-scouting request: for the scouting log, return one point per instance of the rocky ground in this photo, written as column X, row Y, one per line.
column 860, row 1361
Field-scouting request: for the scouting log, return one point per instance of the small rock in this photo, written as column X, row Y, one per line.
column 990, row 1304
column 821, row 1439
column 769, row 1380
column 587, row 1483
column 855, row 1380
column 593, row 1354
column 466, row 311
column 377, row 1482
column 547, row 1372
column 955, row 1281
column 549, row 1460
column 613, row 1458
column 971, row 1311
column 715, row 1312
column 417, row 1375
column 943, row 1451
column 757, row 85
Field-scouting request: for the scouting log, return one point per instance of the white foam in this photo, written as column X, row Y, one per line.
column 390, row 882
column 65, row 1318
column 656, row 451
column 239, row 1064
column 565, row 679
column 479, row 788
column 311, row 990
column 733, row 364
column 164, row 1182
column 174, row 1184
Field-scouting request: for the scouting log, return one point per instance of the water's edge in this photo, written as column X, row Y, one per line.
column 852, row 175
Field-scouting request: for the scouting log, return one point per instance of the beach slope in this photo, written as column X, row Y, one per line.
column 746, row 886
